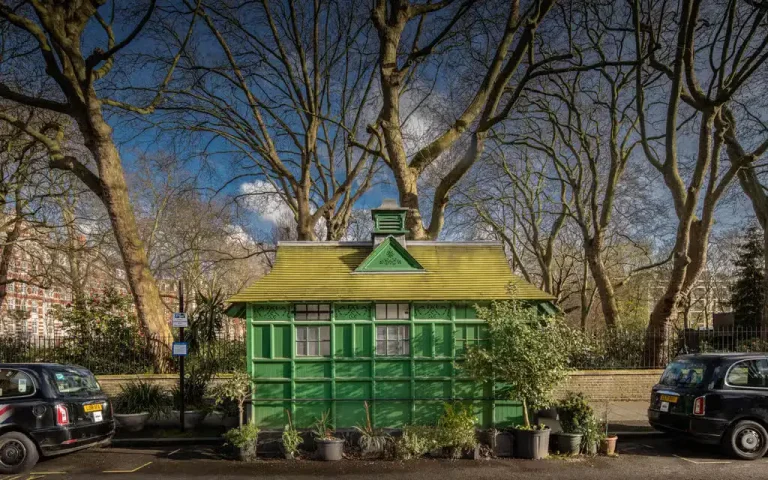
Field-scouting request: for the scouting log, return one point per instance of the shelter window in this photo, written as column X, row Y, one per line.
column 313, row 341
column 393, row 340
column 393, row 311
column 312, row 311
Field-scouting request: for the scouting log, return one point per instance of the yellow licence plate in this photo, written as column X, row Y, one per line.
column 95, row 407
column 669, row 398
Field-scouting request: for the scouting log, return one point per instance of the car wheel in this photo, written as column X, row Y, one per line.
column 747, row 440
column 18, row 453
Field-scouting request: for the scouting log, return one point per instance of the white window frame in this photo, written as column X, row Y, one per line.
column 393, row 311
column 306, row 346
column 393, row 340
column 312, row 312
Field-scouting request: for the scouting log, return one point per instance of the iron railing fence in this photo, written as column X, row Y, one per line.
column 120, row 355
column 641, row 349
column 595, row 350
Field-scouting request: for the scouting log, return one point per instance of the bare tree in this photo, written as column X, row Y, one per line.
column 45, row 55
column 725, row 46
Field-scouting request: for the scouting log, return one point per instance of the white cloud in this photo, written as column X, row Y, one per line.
column 262, row 197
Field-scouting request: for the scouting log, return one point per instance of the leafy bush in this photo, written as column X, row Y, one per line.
column 592, row 432
column 139, row 396
column 291, row 437
column 456, row 429
column 575, row 412
column 243, row 435
column 196, row 380
column 416, row 441
column 527, row 351
column 236, row 388
column 103, row 335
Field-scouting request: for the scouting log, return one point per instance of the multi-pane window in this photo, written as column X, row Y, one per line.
column 392, row 311
column 469, row 336
column 313, row 341
column 312, row 311
column 393, row 340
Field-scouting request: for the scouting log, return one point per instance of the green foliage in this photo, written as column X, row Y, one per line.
column 103, row 334
column 196, row 380
column 206, row 320
column 243, row 435
column 139, row 396
column 372, row 440
column 528, row 352
column 236, row 388
column 323, row 427
column 416, row 441
column 291, row 437
column 575, row 412
column 456, row 429
column 592, row 432
column 615, row 348
column 748, row 291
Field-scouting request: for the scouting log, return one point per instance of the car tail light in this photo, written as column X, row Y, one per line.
column 62, row 415
column 698, row 406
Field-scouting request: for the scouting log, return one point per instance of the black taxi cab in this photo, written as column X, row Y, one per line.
column 716, row 398
column 49, row 409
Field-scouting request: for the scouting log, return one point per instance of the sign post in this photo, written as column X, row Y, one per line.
column 180, row 319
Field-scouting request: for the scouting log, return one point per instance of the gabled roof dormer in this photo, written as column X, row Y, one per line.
column 389, row 257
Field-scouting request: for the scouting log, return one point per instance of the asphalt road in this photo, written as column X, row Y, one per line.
column 643, row 458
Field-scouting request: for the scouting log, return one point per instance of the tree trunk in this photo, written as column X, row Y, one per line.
column 149, row 306
column 602, row 282
column 7, row 256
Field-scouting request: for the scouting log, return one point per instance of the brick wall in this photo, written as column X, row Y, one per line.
column 615, row 385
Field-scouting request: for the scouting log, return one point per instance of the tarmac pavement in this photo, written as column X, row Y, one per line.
column 639, row 458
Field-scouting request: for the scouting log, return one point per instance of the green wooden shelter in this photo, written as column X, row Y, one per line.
column 335, row 324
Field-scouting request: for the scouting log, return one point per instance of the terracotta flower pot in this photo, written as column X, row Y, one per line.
column 608, row 445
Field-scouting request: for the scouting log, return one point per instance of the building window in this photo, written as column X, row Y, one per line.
column 467, row 336
column 313, row 341
column 393, row 311
column 393, row 340
column 312, row 311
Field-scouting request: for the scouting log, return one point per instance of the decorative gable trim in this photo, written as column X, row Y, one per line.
column 390, row 257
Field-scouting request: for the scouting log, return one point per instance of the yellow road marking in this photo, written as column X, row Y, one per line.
column 128, row 471
column 706, row 462
column 175, row 451
column 12, row 478
column 32, row 477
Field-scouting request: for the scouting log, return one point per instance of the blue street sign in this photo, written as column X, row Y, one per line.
column 180, row 349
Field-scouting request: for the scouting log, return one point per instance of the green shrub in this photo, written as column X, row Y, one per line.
column 456, row 429
column 139, row 396
column 291, row 437
column 243, row 435
column 575, row 412
column 416, row 441
column 196, row 380
column 527, row 351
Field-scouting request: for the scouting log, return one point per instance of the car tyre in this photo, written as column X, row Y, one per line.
column 18, row 453
column 747, row 440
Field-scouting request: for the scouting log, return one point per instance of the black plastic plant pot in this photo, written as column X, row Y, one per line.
column 569, row 443
column 247, row 452
column 532, row 444
column 330, row 449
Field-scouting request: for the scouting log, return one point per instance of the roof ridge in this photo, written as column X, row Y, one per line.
column 415, row 243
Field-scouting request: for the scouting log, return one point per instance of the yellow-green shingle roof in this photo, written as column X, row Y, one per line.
column 306, row 271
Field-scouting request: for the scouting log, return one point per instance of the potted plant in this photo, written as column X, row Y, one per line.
column 528, row 353
column 608, row 442
column 291, row 439
column 137, row 402
column 244, row 439
column 329, row 447
column 196, row 407
column 456, row 432
column 592, row 435
column 373, row 441
column 574, row 412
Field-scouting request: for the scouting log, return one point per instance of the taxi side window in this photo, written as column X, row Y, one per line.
column 14, row 383
column 749, row 373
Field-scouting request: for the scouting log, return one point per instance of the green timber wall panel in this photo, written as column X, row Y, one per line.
column 399, row 390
